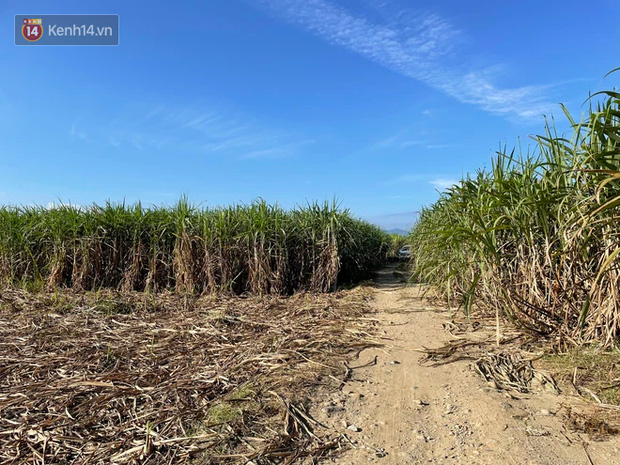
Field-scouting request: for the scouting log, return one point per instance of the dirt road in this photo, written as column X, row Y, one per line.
column 400, row 412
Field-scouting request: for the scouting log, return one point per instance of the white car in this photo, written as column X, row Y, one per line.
column 404, row 253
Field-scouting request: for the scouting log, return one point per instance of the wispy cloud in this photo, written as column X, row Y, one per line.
column 208, row 132
column 113, row 141
column 442, row 184
column 439, row 182
column 416, row 45
column 403, row 140
column 397, row 141
column 278, row 151
column 438, row 146
column 76, row 133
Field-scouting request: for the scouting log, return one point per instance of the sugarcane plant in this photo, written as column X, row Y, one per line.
column 536, row 236
column 256, row 248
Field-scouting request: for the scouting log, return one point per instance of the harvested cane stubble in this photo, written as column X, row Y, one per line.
column 138, row 378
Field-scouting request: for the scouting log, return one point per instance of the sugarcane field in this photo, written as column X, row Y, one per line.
column 277, row 232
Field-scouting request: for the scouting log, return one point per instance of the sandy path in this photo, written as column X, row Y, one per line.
column 408, row 413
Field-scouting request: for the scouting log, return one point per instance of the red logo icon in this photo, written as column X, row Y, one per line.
column 32, row 29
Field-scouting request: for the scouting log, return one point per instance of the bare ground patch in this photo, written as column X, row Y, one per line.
column 442, row 390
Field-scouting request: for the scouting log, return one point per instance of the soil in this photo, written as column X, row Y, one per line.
column 398, row 411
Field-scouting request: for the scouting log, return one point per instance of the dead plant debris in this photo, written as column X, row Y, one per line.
column 597, row 423
column 161, row 379
column 504, row 367
column 510, row 371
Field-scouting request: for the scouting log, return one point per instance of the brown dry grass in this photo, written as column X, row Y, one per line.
column 137, row 378
column 599, row 424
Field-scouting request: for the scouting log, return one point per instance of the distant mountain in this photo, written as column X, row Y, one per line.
column 400, row 232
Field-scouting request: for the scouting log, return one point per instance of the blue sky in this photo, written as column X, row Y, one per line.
column 376, row 102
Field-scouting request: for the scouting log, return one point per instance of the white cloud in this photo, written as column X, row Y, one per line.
column 442, row 184
column 415, row 45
